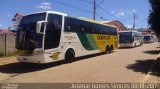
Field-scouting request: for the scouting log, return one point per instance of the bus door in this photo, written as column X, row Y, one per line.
column 53, row 31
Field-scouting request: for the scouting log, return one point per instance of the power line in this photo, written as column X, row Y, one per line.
column 99, row 6
column 94, row 8
column 71, row 6
column 87, row 1
column 111, row 14
column 101, row 16
column 64, row 4
column 91, row 11
column 67, row 5
column 100, row 3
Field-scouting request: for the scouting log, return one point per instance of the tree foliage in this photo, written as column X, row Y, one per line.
column 154, row 17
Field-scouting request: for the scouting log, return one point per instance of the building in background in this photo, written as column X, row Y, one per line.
column 6, row 31
column 116, row 23
column 16, row 19
column 7, row 42
column 146, row 31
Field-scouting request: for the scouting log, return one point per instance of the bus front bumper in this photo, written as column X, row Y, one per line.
column 31, row 59
column 126, row 45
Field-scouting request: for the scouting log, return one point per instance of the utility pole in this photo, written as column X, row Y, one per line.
column 134, row 20
column 94, row 10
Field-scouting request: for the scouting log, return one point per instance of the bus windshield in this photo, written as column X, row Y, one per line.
column 147, row 38
column 125, row 37
column 27, row 38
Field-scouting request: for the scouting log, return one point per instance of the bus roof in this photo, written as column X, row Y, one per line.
column 91, row 20
column 54, row 12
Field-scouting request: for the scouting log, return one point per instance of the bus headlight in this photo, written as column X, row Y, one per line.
column 37, row 52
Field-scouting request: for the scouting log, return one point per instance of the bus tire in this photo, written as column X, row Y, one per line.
column 107, row 49
column 110, row 49
column 69, row 55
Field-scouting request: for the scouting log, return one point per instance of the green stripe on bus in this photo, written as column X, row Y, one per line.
column 91, row 41
column 84, row 41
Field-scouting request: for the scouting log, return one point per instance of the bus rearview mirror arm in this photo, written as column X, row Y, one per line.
column 39, row 28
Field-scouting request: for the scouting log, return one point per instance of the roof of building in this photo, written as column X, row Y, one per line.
column 6, row 31
column 116, row 23
column 17, row 14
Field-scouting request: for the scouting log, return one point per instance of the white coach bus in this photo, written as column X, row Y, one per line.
column 52, row 36
column 149, row 38
column 130, row 38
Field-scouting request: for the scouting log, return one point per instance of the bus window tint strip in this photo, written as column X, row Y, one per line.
column 76, row 25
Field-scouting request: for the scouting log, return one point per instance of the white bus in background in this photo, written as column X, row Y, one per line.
column 149, row 38
column 130, row 39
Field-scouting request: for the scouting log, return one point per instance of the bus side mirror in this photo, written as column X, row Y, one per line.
column 41, row 25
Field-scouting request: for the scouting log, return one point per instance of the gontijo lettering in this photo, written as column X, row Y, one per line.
column 103, row 37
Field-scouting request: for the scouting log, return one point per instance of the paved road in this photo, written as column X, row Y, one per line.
column 123, row 65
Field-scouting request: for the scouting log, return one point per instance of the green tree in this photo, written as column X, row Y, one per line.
column 154, row 16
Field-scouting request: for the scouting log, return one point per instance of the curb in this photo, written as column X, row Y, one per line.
column 150, row 71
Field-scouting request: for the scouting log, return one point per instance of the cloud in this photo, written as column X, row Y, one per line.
column 44, row 6
column 122, row 12
column 129, row 26
column 113, row 12
column 9, row 15
column 118, row 13
column 0, row 25
column 133, row 10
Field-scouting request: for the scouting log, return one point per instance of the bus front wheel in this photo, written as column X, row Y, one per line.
column 69, row 56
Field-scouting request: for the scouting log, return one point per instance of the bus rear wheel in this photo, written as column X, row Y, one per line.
column 69, row 56
column 110, row 49
column 107, row 49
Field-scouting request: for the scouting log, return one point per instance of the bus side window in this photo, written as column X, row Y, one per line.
column 68, row 28
column 109, row 31
column 69, row 25
column 92, row 28
column 101, row 29
column 82, row 26
column 105, row 30
column 77, row 26
column 87, row 28
column 114, row 31
column 82, row 29
column 72, row 25
column 97, row 31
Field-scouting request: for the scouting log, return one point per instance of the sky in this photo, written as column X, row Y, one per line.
column 121, row 10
